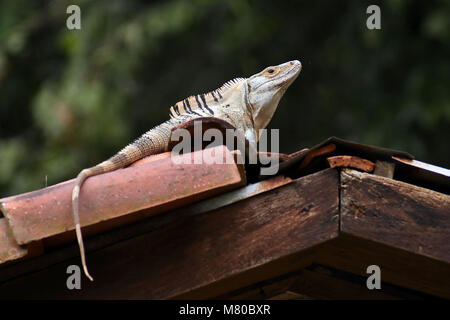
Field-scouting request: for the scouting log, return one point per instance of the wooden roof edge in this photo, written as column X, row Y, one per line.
column 339, row 218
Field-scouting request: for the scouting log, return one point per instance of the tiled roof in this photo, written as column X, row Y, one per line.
column 38, row 221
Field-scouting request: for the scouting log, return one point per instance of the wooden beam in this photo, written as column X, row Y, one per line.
column 402, row 228
column 307, row 283
column 396, row 213
column 398, row 267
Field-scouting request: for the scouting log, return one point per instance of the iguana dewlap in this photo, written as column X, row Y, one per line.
column 246, row 103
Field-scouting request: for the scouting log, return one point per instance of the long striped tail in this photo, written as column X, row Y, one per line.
column 82, row 176
column 118, row 161
column 152, row 142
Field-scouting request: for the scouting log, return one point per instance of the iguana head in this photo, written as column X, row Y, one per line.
column 265, row 89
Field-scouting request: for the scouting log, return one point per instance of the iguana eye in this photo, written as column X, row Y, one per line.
column 270, row 70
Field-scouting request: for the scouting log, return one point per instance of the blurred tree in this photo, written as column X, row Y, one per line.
column 71, row 98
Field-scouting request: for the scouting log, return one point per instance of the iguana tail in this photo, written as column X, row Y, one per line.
column 83, row 175
column 106, row 166
column 152, row 142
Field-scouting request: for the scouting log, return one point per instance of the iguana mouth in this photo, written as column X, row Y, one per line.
column 296, row 68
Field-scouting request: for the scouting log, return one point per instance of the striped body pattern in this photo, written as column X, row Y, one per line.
column 238, row 101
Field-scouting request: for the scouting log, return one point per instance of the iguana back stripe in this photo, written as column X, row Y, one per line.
column 188, row 105
column 176, row 109
column 202, row 96
column 198, row 103
column 183, row 108
column 215, row 99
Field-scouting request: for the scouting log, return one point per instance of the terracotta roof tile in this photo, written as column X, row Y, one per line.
column 155, row 182
column 9, row 249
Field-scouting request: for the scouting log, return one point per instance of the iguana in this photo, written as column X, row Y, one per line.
column 246, row 103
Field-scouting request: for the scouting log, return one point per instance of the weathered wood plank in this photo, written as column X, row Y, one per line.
column 396, row 213
column 403, row 229
column 263, row 236
column 307, row 284
column 398, row 267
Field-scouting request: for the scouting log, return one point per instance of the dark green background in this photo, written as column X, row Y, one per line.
column 70, row 99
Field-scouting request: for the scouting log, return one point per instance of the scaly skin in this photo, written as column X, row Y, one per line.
column 246, row 103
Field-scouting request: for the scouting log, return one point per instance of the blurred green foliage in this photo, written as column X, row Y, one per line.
column 71, row 98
